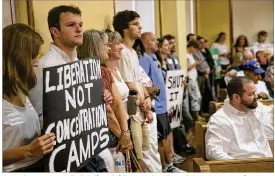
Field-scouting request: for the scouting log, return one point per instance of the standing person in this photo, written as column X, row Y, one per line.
column 152, row 156
column 23, row 147
column 209, row 92
column 193, row 86
column 162, row 54
column 180, row 146
column 65, row 26
column 127, row 24
column 261, row 41
column 94, row 45
column 223, row 50
column 150, row 65
column 191, row 37
column 203, row 78
column 238, row 50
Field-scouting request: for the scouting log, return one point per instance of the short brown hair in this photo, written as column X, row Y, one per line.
column 236, row 86
column 21, row 44
column 54, row 15
column 122, row 19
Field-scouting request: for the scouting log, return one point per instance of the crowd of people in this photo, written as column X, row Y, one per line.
column 131, row 61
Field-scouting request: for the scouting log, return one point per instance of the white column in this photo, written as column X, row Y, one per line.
column 121, row 5
column 146, row 10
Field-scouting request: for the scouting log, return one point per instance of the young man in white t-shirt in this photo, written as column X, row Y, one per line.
column 128, row 25
column 65, row 26
column 193, row 87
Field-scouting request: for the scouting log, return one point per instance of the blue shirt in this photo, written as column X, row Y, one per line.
column 150, row 66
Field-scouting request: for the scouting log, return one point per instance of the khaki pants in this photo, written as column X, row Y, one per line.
column 140, row 137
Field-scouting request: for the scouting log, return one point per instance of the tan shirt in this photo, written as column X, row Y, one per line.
column 129, row 69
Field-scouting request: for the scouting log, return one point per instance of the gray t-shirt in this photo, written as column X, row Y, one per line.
column 20, row 127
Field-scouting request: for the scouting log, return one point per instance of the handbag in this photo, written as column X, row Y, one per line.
column 135, row 166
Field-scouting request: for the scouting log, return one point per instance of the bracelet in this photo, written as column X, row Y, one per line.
column 127, row 131
column 147, row 97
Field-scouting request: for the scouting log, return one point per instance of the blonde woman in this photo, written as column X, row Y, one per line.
column 117, row 118
column 23, row 147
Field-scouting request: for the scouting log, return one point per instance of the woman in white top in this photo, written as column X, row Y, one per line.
column 23, row 147
column 114, row 55
column 223, row 50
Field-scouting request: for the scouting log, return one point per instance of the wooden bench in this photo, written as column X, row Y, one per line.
column 214, row 106
column 200, row 130
column 240, row 165
column 200, row 164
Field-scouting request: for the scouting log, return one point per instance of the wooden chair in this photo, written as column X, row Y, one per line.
column 267, row 102
column 200, row 130
column 240, row 165
column 223, row 94
column 200, row 164
column 214, row 106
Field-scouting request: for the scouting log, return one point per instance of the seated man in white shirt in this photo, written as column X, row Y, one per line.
column 242, row 127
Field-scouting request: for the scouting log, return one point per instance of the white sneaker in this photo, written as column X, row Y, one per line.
column 174, row 169
column 178, row 157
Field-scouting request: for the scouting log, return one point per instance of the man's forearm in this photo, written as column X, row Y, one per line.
column 213, row 153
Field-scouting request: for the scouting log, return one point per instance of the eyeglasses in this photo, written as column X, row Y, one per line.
column 135, row 24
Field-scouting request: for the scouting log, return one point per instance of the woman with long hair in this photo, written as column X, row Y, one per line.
column 93, row 45
column 162, row 54
column 23, row 147
column 223, row 50
column 238, row 50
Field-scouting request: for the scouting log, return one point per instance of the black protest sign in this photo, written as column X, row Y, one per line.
column 74, row 110
column 174, row 93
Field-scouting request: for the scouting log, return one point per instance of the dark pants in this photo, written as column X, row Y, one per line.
column 206, row 92
column 180, row 133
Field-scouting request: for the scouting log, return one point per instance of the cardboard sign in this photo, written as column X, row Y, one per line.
column 74, row 110
column 174, row 91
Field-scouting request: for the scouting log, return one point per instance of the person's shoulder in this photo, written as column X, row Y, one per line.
column 261, row 82
column 49, row 59
column 145, row 57
column 220, row 117
column 7, row 108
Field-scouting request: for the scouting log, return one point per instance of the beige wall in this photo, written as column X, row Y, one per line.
column 96, row 14
column 213, row 17
column 250, row 16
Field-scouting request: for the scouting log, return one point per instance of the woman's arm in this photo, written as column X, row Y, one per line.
column 118, row 108
column 113, row 124
column 39, row 146
column 124, row 143
column 14, row 155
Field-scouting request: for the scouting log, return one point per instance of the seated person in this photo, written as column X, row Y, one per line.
column 269, row 80
column 242, row 127
column 252, row 70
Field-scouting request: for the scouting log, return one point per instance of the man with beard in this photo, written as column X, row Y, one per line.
column 242, row 127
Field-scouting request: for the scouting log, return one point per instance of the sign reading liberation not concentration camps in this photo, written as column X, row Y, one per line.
column 74, row 110
column 174, row 91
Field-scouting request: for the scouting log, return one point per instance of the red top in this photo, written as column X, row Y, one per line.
column 107, row 79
